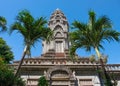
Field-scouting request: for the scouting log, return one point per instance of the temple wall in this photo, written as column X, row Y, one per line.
column 31, row 79
column 118, row 83
column 90, row 80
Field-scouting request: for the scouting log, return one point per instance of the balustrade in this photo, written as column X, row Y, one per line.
column 79, row 62
column 113, row 67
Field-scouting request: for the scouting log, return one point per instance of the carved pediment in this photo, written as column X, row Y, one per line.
column 59, row 74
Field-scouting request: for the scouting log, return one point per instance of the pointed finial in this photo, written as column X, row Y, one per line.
column 57, row 9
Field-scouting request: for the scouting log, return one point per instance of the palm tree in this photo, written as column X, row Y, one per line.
column 32, row 30
column 92, row 34
column 42, row 81
column 3, row 23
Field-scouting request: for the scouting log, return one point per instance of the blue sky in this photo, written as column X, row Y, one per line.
column 73, row 9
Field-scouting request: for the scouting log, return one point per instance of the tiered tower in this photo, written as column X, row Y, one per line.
column 58, row 47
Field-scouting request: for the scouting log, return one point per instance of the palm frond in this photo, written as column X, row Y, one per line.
column 103, row 23
column 111, row 35
column 3, row 23
column 25, row 18
column 19, row 28
column 92, row 19
column 79, row 25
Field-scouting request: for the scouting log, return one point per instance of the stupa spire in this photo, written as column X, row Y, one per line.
column 59, row 25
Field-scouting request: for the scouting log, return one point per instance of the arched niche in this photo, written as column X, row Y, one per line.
column 58, row 28
column 58, row 34
column 58, row 31
column 56, row 71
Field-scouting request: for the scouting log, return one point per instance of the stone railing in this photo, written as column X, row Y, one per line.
column 81, row 61
column 113, row 67
column 65, row 61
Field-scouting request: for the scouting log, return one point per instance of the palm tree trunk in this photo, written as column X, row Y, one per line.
column 107, row 77
column 98, row 53
column 101, row 63
column 107, row 80
column 23, row 56
column 100, row 78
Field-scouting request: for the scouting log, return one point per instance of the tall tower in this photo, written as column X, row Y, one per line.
column 59, row 46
